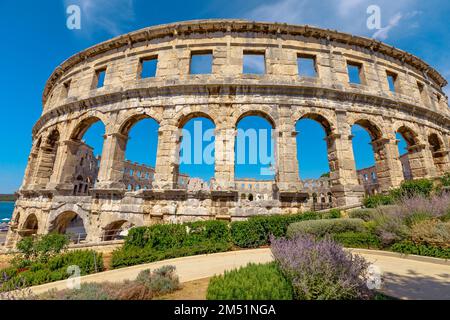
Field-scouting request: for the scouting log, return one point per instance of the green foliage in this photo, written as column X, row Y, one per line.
column 169, row 236
column 41, row 248
column 54, row 269
column 420, row 187
column 376, row 200
column 320, row 228
column 357, row 240
column 364, row 214
column 257, row 230
column 253, row 282
column 408, row 247
column 332, row 214
column 129, row 256
column 87, row 291
column 445, row 180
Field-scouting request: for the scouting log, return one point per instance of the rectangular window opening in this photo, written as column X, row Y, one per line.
column 65, row 89
column 148, row 67
column 307, row 66
column 354, row 70
column 392, row 81
column 254, row 63
column 100, row 78
column 201, row 62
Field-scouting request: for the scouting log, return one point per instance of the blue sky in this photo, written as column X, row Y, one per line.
column 35, row 40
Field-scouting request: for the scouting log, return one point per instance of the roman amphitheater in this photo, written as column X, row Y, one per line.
column 64, row 183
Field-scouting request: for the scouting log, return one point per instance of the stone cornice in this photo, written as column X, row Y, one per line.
column 229, row 26
column 227, row 90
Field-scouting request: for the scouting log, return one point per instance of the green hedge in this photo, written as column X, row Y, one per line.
column 253, row 282
column 357, row 240
column 129, row 256
column 408, row 247
column 365, row 214
column 257, row 230
column 321, row 228
column 168, row 236
column 54, row 269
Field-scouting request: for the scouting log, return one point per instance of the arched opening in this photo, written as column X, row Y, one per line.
column 116, row 230
column 196, row 152
column 250, row 197
column 45, row 160
column 71, row 224
column 255, row 149
column 312, row 151
column 89, row 136
column 368, row 154
column 141, row 151
column 440, row 156
column 313, row 155
column 30, row 226
column 410, row 153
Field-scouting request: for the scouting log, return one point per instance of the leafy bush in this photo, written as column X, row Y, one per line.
column 332, row 214
column 161, row 281
column 256, row 231
column 321, row 228
column 431, row 232
column 357, row 240
column 408, row 247
column 40, row 248
column 253, row 282
column 364, row 214
column 129, row 256
column 169, row 236
column 52, row 270
column 419, row 187
column 445, row 180
column 248, row 234
column 434, row 206
column 321, row 269
column 376, row 200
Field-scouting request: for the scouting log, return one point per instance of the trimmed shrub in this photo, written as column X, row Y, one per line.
column 253, row 282
column 169, row 236
column 408, row 247
column 389, row 227
column 364, row 214
column 40, row 248
column 321, row 269
column 320, row 228
column 248, row 234
column 256, row 231
column 129, row 256
column 357, row 240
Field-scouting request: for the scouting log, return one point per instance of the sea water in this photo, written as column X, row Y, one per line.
column 6, row 210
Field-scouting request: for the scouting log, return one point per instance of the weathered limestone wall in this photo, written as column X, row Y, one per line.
column 418, row 109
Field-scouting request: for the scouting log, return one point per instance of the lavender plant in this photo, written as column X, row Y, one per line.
column 321, row 269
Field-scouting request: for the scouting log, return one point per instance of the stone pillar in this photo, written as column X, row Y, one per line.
column 387, row 163
column 421, row 164
column 29, row 171
column 110, row 174
column 225, row 138
column 167, row 159
column 66, row 160
column 287, row 162
column 44, row 167
column 344, row 181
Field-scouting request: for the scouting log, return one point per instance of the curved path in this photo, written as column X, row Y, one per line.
column 408, row 277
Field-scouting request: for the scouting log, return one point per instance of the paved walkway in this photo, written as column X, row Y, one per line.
column 406, row 278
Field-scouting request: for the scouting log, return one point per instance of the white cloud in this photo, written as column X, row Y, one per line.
column 112, row 16
column 343, row 15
